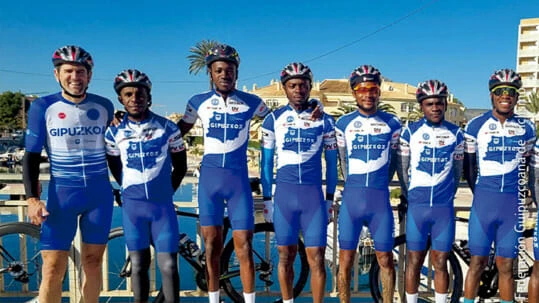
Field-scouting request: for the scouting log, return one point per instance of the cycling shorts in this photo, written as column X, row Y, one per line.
column 494, row 217
column 147, row 222
column 300, row 206
column 219, row 185
column 369, row 207
column 438, row 221
column 536, row 240
column 94, row 205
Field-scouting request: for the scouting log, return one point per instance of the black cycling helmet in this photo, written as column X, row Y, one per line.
column 431, row 88
column 296, row 70
column 131, row 77
column 72, row 54
column 365, row 73
column 222, row 52
column 505, row 76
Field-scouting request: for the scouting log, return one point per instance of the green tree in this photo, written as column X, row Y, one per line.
column 343, row 109
column 11, row 115
column 386, row 107
column 197, row 57
column 532, row 102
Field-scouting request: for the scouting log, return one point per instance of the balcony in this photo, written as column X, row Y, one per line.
column 529, row 52
column 528, row 68
column 530, row 83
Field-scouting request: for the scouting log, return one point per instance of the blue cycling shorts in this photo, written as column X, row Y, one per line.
column 300, row 206
column 150, row 222
column 536, row 240
column 438, row 221
column 494, row 217
column 369, row 207
column 218, row 186
column 92, row 203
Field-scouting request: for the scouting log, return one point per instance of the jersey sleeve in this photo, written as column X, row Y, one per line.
column 330, row 141
column 175, row 140
column 396, row 129
column 36, row 131
column 190, row 115
column 262, row 110
column 470, row 140
column 339, row 134
column 459, row 148
column 268, row 132
column 404, row 142
column 530, row 139
column 110, row 142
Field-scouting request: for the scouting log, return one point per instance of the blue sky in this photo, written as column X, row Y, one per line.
column 457, row 41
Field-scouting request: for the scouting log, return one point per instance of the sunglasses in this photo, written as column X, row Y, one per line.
column 505, row 90
column 373, row 89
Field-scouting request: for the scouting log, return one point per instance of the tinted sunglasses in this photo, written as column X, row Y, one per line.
column 505, row 90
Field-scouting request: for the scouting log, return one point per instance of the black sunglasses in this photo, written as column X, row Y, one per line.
column 510, row 91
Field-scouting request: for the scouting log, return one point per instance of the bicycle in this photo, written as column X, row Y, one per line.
column 20, row 259
column 459, row 251
column 265, row 259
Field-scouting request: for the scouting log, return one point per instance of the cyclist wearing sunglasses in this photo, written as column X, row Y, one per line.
column 431, row 149
column 367, row 139
column 497, row 149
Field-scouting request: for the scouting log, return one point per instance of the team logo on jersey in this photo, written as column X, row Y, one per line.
column 377, row 130
column 360, row 138
column 292, row 132
column 93, row 114
column 214, row 101
column 235, row 108
column 289, row 119
column 77, row 141
column 426, row 136
column 306, row 124
column 133, row 146
column 496, row 140
column 218, row 117
column 61, row 115
column 441, row 143
column 128, row 133
column 511, row 132
column 357, row 124
column 427, row 151
column 492, row 126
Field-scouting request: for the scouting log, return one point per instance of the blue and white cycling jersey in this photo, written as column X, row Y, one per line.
column 432, row 150
column 500, row 148
column 299, row 143
column 144, row 148
column 368, row 141
column 73, row 135
column 226, row 125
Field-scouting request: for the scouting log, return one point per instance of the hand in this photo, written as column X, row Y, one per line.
column 37, row 212
column 329, row 209
column 268, row 210
column 118, row 116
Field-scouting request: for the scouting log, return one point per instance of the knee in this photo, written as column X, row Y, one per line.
column 213, row 246
column 478, row 264
column 385, row 260
column 168, row 268
column 440, row 264
column 317, row 263
column 505, row 266
column 243, row 249
column 92, row 260
column 286, row 257
column 54, row 270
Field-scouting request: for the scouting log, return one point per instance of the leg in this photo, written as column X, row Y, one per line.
column 54, row 268
column 505, row 279
column 213, row 242
column 140, row 264
column 533, row 285
column 243, row 241
column 287, row 254
column 315, row 257
column 387, row 274
column 168, row 266
column 476, row 268
column 441, row 277
column 414, row 261
column 92, row 261
column 346, row 259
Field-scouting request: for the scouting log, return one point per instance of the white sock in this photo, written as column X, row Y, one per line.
column 249, row 298
column 213, row 296
column 289, row 301
column 440, row 298
column 411, row 298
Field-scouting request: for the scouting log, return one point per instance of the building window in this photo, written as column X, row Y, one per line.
column 272, row 103
column 407, row 107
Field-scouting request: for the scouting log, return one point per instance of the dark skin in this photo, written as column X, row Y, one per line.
column 503, row 108
column 367, row 96
column 533, row 286
column 298, row 91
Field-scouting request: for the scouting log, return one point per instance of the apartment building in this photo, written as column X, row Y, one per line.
column 528, row 54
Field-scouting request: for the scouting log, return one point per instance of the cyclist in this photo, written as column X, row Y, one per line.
column 225, row 114
column 299, row 203
column 71, row 126
column 497, row 146
column 147, row 156
column 367, row 139
column 430, row 159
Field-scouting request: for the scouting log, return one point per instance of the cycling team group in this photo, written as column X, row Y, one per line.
column 146, row 155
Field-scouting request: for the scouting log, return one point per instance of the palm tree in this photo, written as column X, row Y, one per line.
column 198, row 55
column 343, row 109
column 386, row 107
column 532, row 103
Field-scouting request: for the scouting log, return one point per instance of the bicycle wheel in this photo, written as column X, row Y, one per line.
column 426, row 280
column 266, row 259
column 20, row 260
column 116, row 269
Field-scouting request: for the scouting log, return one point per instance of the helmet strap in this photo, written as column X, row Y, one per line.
column 73, row 95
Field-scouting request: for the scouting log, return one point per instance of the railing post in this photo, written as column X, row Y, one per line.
column 74, row 271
